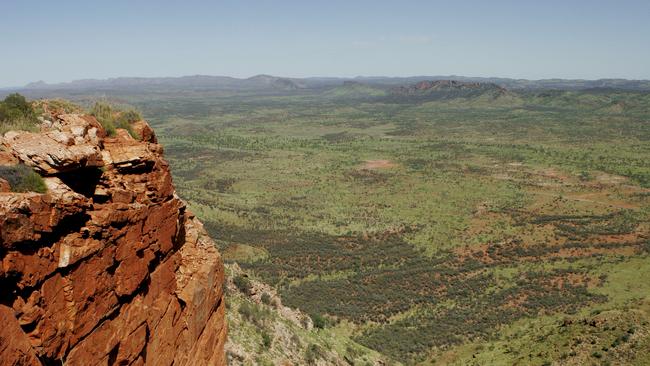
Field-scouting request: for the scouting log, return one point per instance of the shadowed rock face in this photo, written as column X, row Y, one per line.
column 108, row 267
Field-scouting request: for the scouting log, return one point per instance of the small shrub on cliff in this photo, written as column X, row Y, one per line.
column 129, row 116
column 22, row 178
column 125, row 119
column 103, row 112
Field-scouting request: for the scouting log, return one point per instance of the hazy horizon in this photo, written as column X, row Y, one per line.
column 302, row 77
column 73, row 40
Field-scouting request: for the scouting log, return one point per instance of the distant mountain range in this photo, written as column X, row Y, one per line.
column 195, row 81
column 269, row 82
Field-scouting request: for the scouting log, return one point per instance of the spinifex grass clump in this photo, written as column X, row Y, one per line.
column 22, row 178
column 112, row 118
column 57, row 106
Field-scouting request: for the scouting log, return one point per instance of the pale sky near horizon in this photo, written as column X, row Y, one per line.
column 63, row 40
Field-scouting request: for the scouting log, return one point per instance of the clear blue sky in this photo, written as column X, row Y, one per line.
column 65, row 40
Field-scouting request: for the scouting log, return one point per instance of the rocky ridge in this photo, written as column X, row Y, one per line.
column 447, row 86
column 107, row 267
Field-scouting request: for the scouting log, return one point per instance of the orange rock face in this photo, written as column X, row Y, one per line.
column 108, row 267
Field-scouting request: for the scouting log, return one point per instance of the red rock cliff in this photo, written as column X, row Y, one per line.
column 108, row 267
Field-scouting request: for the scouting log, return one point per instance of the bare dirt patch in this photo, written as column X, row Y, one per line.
column 602, row 198
column 610, row 179
column 378, row 164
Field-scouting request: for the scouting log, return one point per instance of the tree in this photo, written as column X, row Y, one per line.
column 15, row 106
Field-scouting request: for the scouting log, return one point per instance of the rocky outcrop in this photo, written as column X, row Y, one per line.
column 72, row 142
column 108, row 267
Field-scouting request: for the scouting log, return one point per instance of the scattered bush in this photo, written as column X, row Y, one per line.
column 585, row 176
column 295, row 339
column 266, row 299
column 313, row 353
column 243, row 284
column 254, row 313
column 267, row 340
column 319, row 321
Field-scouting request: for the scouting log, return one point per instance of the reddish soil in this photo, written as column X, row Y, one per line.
column 378, row 164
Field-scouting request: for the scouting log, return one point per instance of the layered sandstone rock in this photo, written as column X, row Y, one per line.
column 108, row 267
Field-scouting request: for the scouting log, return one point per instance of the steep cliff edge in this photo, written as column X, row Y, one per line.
column 107, row 267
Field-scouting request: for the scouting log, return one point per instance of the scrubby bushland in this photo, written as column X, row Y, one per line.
column 22, row 178
column 496, row 214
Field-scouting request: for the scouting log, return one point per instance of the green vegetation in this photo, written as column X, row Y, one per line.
column 313, row 353
column 57, row 106
column 319, row 321
column 267, row 340
column 266, row 299
column 22, row 178
column 16, row 113
column 254, row 313
column 474, row 227
column 112, row 118
column 356, row 91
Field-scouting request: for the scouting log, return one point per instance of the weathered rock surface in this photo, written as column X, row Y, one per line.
column 108, row 267
column 71, row 143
